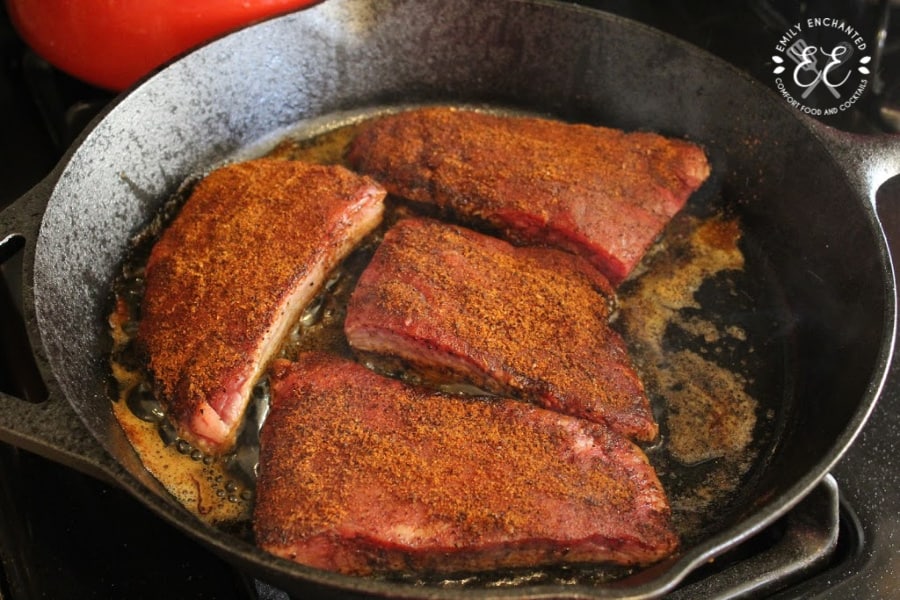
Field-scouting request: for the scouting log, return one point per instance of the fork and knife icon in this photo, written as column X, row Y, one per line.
column 805, row 56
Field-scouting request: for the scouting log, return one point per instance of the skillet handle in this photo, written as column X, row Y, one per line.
column 38, row 422
column 51, row 429
column 19, row 226
column 21, row 220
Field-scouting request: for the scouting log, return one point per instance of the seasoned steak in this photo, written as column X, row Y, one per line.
column 404, row 479
column 228, row 278
column 529, row 322
column 601, row 193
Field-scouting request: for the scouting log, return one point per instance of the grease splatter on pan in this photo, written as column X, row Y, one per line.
column 697, row 318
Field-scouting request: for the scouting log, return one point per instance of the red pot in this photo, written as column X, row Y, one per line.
column 113, row 43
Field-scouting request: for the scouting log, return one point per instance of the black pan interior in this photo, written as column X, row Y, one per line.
column 817, row 243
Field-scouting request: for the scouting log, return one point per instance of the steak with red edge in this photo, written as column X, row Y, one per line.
column 230, row 275
column 453, row 305
column 362, row 474
column 598, row 192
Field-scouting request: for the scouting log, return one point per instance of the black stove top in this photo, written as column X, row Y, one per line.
column 67, row 535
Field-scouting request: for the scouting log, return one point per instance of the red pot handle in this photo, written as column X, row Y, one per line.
column 113, row 43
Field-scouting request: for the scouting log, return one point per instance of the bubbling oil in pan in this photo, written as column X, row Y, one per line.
column 701, row 329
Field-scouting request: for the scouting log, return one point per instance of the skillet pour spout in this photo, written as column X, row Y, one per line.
column 804, row 195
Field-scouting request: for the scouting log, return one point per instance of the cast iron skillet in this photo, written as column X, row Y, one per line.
column 804, row 193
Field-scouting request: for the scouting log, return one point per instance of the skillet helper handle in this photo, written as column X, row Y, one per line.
column 32, row 418
column 808, row 539
column 871, row 159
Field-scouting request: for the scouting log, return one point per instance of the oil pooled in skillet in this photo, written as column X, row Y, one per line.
column 692, row 317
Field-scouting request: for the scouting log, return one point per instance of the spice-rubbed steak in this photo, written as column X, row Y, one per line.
column 228, row 277
column 362, row 474
column 601, row 193
column 528, row 322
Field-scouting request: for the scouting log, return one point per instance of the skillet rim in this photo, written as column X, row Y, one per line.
column 687, row 563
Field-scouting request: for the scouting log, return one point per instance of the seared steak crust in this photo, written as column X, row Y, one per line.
column 405, row 479
column 599, row 192
column 530, row 322
column 228, row 277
